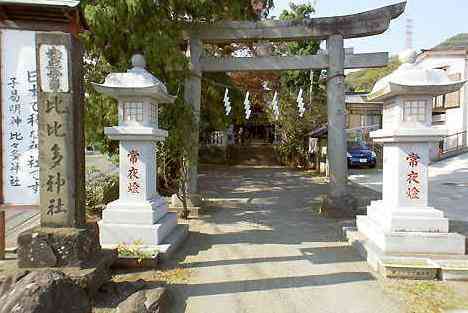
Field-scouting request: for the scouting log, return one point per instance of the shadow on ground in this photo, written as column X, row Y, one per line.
column 253, row 207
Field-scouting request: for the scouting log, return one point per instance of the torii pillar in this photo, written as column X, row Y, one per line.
column 192, row 96
column 336, row 122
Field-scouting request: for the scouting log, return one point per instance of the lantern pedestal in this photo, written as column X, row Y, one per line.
column 403, row 222
column 140, row 214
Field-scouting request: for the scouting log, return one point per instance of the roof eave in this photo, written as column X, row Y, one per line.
column 393, row 90
column 151, row 92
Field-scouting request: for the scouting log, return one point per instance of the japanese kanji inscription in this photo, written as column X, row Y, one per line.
column 60, row 133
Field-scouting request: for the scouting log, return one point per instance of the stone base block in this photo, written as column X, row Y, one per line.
column 57, row 247
column 168, row 246
column 172, row 242
column 139, row 213
column 454, row 269
column 408, row 219
column 411, row 242
column 407, row 266
column 148, row 235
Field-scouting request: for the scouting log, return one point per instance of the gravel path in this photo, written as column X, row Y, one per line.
column 261, row 248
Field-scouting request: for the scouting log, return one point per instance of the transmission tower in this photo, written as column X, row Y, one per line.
column 409, row 33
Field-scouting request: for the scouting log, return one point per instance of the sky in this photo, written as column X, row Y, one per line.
column 433, row 21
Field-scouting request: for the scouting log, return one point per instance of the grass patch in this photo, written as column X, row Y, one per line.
column 426, row 297
column 166, row 276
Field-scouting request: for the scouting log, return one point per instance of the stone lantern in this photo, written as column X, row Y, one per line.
column 403, row 222
column 139, row 214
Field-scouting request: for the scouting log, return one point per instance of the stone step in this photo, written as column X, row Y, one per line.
column 412, row 242
column 408, row 266
column 253, row 155
column 173, row 242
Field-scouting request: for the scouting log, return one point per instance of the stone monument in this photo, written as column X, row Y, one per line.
column 63, row 238
column 403, row 223
column 140, row 214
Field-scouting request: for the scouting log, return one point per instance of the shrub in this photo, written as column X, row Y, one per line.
column 100, row 190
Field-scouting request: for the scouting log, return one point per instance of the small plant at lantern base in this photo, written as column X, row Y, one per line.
column 136, row 255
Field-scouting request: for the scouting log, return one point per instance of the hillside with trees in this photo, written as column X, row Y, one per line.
column 364, row 80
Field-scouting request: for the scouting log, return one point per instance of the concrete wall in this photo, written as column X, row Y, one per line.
column 456, row 118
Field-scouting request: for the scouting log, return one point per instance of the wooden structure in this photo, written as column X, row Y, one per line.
column 332, row 29
column 2, row 234
column 31, row 16
column 42, row 15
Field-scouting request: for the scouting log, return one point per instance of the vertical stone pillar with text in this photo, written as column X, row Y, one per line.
column 61, row 146
column 63, row 239
column 403, row 222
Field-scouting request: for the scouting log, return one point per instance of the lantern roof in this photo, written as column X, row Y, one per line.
column 413, row 79
column 136, row 82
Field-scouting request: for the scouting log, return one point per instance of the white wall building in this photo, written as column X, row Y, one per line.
column 450, row 111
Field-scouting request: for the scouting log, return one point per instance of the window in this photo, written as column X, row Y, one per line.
column 414, row 111
column 451, row 100
column 133, row 111
column 154, row 112
column 371, row 120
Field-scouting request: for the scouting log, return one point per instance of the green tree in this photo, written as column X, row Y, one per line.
column 121, row 28
column 295, row 79
column 364, row 80
column 292, row 129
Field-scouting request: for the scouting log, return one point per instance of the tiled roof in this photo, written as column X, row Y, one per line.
column 56, row 3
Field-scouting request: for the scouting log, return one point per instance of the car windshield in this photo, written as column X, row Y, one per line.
column 357, row 146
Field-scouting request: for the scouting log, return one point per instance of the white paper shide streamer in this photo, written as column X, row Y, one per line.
column 227, row 103
column 248, row 111
column 274, row 106
column 300, row 103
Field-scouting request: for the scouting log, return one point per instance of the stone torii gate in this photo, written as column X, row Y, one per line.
column 332, row 29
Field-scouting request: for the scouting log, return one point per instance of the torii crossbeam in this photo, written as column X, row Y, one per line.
column 332, row 29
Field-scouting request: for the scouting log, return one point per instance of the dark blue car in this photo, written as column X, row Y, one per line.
column 359, row 154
